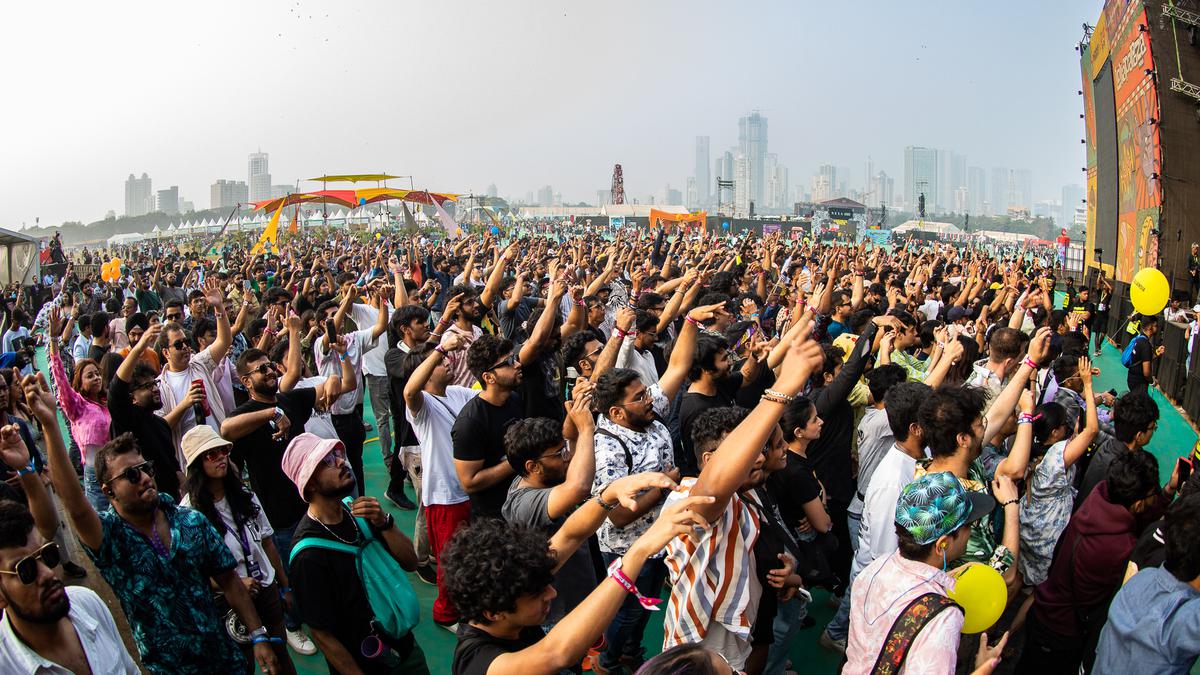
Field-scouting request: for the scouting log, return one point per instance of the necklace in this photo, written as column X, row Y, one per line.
column 352, row 542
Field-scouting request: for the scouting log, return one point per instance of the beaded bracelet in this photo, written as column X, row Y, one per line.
column 777, row 397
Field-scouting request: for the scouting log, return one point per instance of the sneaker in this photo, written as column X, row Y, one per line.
column 428, row 574
column 451, row 626
column 73, row 571
column 611, row 670
column 827, row 642
column 401, row 500
column 300, row 643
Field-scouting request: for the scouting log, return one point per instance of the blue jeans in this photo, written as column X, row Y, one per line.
column 787, row 623
column 283, row 542
column 91, row 489
column 623, row 637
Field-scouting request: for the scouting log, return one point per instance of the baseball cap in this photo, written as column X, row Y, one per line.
column 956, row 313
column 199, row 440
column 846, row 342
column 936, row 504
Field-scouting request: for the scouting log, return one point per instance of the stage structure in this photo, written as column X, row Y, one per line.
column 1140, row 68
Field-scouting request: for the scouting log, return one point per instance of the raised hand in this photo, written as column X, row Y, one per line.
column 12, row 449
column 705, row 312
column 452, row 342
column 39, row 398
column 674, row 520
column 626, row 489
column 581, row 408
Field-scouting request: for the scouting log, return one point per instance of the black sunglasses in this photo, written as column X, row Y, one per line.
column 174, row 317
column 179, row 344
column 510, row 361
column 134, row 473
column 263, row 369
column 26, row 568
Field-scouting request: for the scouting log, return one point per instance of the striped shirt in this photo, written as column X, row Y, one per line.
column 712, row 579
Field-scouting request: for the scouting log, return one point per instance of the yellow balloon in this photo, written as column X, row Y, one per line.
column 980, row 591
column 116, row 263
column 1149, row 291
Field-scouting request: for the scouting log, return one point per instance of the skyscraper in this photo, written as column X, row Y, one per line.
column 752, row 143
column 1072, row 198
column 168, row 200
column 1020, row 189
column 976, row 191
column 998, row 195
column 545, row 196
column 703, row 180
column 742, row 197
column 139, row 195
column 260, row 177
column 492, row 191
column 881, row 190
column 224, row 194
column 920, row 177
column 776, row 197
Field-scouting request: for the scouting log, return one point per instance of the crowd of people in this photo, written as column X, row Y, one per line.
column 595, row 428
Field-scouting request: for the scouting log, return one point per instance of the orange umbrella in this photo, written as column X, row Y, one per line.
column 338, row 197
column 373, row 195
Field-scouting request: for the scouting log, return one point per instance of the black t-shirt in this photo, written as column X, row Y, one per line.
column 1085, row 310
column 152, row 433
column 402, row 431
column 476, row 649
column 478, row 434
column 694, row 404
column 261, row 455
column 749, row 395
column 1142, row 351
column 1151, row 548
column 329, row 593
column 542, row 388
column 792, row 487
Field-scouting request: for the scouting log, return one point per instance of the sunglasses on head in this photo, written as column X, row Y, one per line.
column 26, row 569
column 134, row 473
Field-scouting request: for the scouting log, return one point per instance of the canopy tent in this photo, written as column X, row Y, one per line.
column 354, row 198
column 370, row 196
column 354, row 178
column 339, row 197
column 684, row 219
column 19, row 258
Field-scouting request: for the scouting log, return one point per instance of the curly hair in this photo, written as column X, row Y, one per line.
column 946, row 413
column 16, row 522
column 527, row 439
column 485, row 351
column 712, row 426
column 489, row 564
column 610, row 389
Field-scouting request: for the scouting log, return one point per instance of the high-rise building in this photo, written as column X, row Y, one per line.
column 998, row 195
column 881, row 190
column 921, row 177
column 260, row 177
column 822, row 189
column 958, row 171
column 186, row 206
column 752, row 144
column 742, row 198
column 961, row 199
column 976, row 190
column 776, row 197
column 278, row 191
column 603, row 197
column 168, row 200
column 670, row 196
column 691, row 198
column 703, row 180
column 1072, row 198
column 139, row 195
column 545, row 196
column 1020, row 189
column 224, row 194
column 492, row 191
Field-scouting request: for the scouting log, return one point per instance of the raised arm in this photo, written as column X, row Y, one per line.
column 125, row 370
column 1083, row 440
column 413, row 398
column 216, row 299
column 540, row 335
column 14, row 453
column 685, row 350
column 1002, row 406
column 729, row 466
column 62, row 475
column 582, row 469
column 295, row 355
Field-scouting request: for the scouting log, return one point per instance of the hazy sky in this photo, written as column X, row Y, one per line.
column 521, row 93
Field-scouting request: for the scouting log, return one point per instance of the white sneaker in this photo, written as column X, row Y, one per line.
column 300, row 643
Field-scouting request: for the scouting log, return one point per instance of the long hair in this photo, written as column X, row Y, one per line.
column 241, row 504
column 77, row 380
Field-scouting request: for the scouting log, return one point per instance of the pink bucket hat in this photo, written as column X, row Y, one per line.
column 304, row 455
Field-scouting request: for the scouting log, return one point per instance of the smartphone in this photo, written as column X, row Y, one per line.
column 1183, row 466
column 245, row 284
column 330, row 329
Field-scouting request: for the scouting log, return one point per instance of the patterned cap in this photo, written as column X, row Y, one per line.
column 937, row 504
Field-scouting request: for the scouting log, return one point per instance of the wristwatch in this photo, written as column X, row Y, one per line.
column 388, row 523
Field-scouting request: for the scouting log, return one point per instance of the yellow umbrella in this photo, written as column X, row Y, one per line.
column 354, row 178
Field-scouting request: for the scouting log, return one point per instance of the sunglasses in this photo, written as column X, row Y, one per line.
column 510, row 361
column 263, row 369
column 179, row 344
column 134, row 473
column 216, row 454
column 334, row 458
column 26, row 569
column 174, row 317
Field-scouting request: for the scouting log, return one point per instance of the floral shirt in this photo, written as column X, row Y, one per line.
column 879, row 595
column 168, row 601
column 982, row 546
column 649, row 450
column 914, row 367
column 1047, row 503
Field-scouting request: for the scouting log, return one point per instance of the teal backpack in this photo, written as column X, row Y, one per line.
column 1127, row 355
column 388, row 590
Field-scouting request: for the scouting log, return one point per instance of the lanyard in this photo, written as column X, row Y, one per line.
column 252, row 567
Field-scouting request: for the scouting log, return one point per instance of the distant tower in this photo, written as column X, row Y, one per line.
column 618, row 185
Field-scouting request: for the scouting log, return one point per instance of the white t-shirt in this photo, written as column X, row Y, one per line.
column 180, row 382
column 877, row 533
column 254, row 532
column 361, row 341
column 320, row 423
column 432, row 425
column 366, row 316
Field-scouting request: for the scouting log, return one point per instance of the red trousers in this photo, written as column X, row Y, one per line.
column 442, row 521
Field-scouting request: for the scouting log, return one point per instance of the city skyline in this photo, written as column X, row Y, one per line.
column 949, row 77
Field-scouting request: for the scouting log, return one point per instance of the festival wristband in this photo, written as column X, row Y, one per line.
column 29, row 469
column 692, row 321
column 1025, row 418
column 266, row 640
column 1031, row 363
column 439, row 349
column 615, row 573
